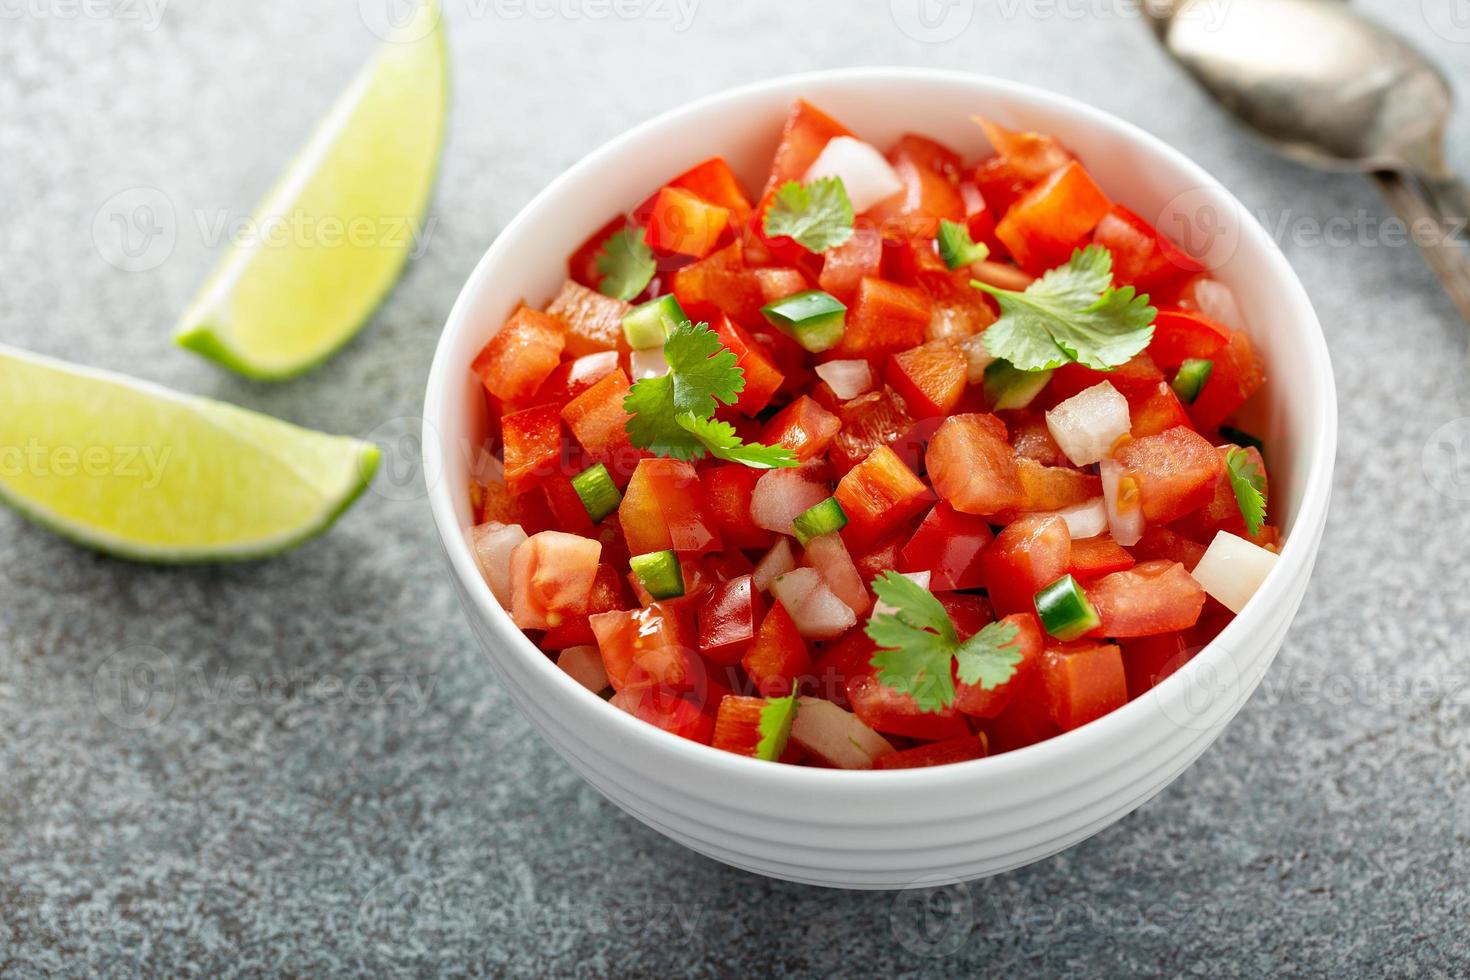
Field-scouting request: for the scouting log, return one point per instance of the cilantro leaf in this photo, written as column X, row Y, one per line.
column 957, row 248
column 917, row 642
column 775, row 725
column 626, row 264
column 722, row 442
column 1249, row 485
column 702, row 373
column 989, row 658
column 818, row 216
column 1072, row 313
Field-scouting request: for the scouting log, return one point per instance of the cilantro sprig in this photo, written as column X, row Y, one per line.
column 817, row 216
column 957, row 248
column 626, row 264
column 672, row 414
column 1249, row 484
column 775, row 726
column 918, row 644
column 1072, row 313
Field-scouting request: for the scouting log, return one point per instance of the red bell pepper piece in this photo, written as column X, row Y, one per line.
column 665, row 507
column 582, row 266
column 1157, row 411
column 961, row 749
column 1180, row 335
column 521, row 355
column 1142, row 257
column 729, row 617
column 1147, row 660
column 779, row 656
column 715, row 182
column 805, row 134
column 931, row 378
column 883, row 319
column 1101, row 555
column 573, row 377
column 737, row 725
column 594, row 321
column 679, row 222
column 1055, row 217
column 1083, row 682
column 722, row 280
column 1237, row 374
column 533, row 446
column 762, row 380
column 879, row 495
column 728, row 488
column 596, row 417
column 804, row 427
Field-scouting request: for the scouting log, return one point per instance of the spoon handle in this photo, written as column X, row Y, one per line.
column 1449, row 262
column 1451, row 198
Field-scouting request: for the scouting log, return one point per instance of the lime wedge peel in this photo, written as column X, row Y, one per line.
column 333, row 236
column 136, row 470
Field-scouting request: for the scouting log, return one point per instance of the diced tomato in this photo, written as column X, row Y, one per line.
column 804, row 427
column 878, row 496
column 1162, row 543
column 1222, row 513
column 1101, row 555
column 881, row 557
column 971, row 465
column 1152, row 598
column 573, row 377
column 609, row 592
column 533, row 445
column 878, row 418
column 962, row 749
column 566, row 505
column 552, row 574
column 883, row 709
column 761, row 377
column 1083, row 682
column 806, row 133
column 1001, row 185
column 969, row 613
column 665, row 507
column 521, row 355
column 1156, row 412
column 649, row 646
column 948, row 545
column 1031, row 553
column 1032, row 439
column 1142, row 257
column 582, row 266
column 728, row 619
column 1237, row 374
column 931, row 378
column 1055, row 217
column 1147, row 660
column 883, row 319
column 779, row 283
column 929, row 188
column 1175, row 471
column 1047, row 488
column 1026, row 720
column 737, row 726
column 1137, row 376
column 698, row 578
column 845, row 267
column 675, row 713
column 715, row 182
column 721, row 280
column 597, row 419
column 1031, row 155
column 979, row 702
column 680, row 222
column 529, row 510
column 980, row 218
column 728, row 487
column 841, row 660
column 1180, row 335
column 594, row 321
column 778, row 657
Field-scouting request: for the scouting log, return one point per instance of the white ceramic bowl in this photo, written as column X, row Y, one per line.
column 894, row 829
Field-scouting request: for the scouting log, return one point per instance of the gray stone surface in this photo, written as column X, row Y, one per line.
column 327, row 779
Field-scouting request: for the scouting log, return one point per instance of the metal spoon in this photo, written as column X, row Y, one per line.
column 1333, row 89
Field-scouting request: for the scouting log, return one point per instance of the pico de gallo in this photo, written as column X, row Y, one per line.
column 905, row 460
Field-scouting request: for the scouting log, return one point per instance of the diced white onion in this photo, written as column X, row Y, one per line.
column 584, row 665
column 493, row 543
column 648, row 363
column 1232, row 569
column 1086, row 425
column 977, row 358
column 829, row 556
column 1217, row 301
column 921, row 579
column 837, row 737
column 1125, row 521
column 847, row 379
column 816, row 611
column 777, row 562
column 1086, row 520
column 866, row 175
column 780, row 495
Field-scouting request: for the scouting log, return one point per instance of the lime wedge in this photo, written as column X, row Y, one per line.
column 137, row 470
column 328, row 242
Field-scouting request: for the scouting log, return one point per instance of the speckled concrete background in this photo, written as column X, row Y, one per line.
column 304, row 767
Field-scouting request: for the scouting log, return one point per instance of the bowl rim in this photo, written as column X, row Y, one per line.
column 1296, row 557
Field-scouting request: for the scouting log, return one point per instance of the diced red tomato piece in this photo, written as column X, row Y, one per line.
column 878, row 418
column 649, row 646
column 594, row 321
column 1030, row 553
column 715, row 182
column 1142, row 257
column 1026, row 720
column 948, row 545
column 931, row 378
column 521, row 355
column 1047, row 488
column 582, row 266
column 930, row 154
column 566, row 506
column 675, row 713
column 609, row 592
column 533, row 445
column 1137, row 376
column 779, row 283
column 762, row 380
column 1053, row 218
column 804, row 427
column 969, row 613
column 1222, row 513
column 680, row 222
column 1175, row 471
column 883, row 709
column 1083, row 682
column 881, row 557
column 665, row 507
column 597, row 419
column 1237, row 374
column 721, row 280
column 1001, row 185
column 728, row 488
column 1156, row 412
column 737, row 726
column 807, row 131
column 841, row 660
column 971, row 465
column 962, row 749
column 1031, row 155
column 878, row 496
column 573, row 377
column 1162, row 543
column 728, row 619
column 1180, row 335
column 552, row 577
column 845, row 267
column 1147, row 660
column 779, row 657
column 883, row 319
column 977, row 701
column 1032, row 439
column 929, row 187
column 1101, row 555
column 529, row 510
column 1149, row 599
